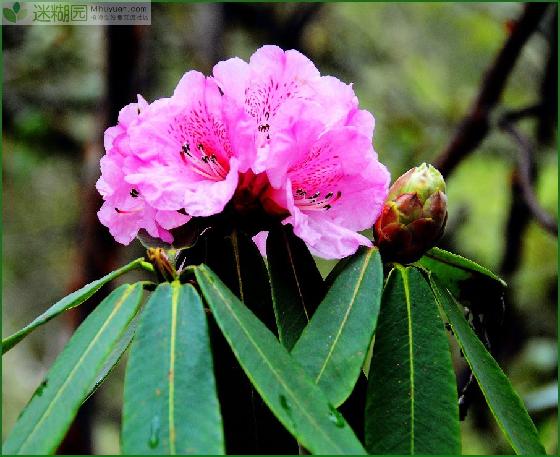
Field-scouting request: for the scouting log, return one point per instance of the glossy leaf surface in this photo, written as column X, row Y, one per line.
column 332, row 348
column 170, row 402
column 287, row 390
column 44, row 422
column 411, row 405
column 505, row 404
column 457, row 272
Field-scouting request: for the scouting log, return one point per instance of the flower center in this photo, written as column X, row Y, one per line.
column 315, row 202
column 203, row 163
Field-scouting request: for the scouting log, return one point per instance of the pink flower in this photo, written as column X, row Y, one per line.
column 124, row 210
column 270, row 134
column 329, row 179
column 187, row 159
column 274, row 78
column 314, row 144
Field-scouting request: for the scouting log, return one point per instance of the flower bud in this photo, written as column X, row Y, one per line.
column 414, row 215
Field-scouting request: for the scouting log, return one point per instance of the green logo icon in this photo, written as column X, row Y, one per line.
column 16, row 13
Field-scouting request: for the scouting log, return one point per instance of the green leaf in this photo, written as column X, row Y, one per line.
column 297, row 285
column 285, row 387
column 170, row 402
column 9, row 15
column 16, row 7
column 115, row 356
column 239, row 264
column 411, row 405
column 455, row 271
column 333, row 347
column 505, row 404
column 249, row 425
column 70, row 301
column 45, row 420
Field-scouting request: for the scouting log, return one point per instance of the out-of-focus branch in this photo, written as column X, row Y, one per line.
column 524, row 177
column 475, row 126
column 263, row 18
column 548, row 115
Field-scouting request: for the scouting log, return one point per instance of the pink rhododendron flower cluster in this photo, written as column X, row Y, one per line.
column 272, row 130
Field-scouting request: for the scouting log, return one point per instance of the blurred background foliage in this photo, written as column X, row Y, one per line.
column 417, row 67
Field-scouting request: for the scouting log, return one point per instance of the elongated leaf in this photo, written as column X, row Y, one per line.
column 288, row 391
column 458, row 262
column 115, row 356
column 332, row 348
column 505, row 404
column 70, row 301
column 45, row 420
column 238, row 263
column 458, row 273
column 170, row 402
column 297, row 285
column 249, row 425
column 411, row 405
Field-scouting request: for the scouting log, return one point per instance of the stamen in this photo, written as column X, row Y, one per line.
column 134, row 193
column 313, row 203
column 206, row 166
column 131, row 211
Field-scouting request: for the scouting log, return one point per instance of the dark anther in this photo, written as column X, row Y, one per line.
column 316, row 194
column 118, row 210
column 329, row 195
column 134, row 193
column 327, row 207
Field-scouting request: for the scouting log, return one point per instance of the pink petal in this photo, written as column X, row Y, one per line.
column 171, row 219
column 260, row 240
column 232, row 77
column 123, row 229
column 206, row 198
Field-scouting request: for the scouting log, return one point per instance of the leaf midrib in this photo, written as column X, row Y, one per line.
column 278, row 377
column 171, row 374
column 479, row 268
column 404, row 274
column 77, row 365
column 344, row 320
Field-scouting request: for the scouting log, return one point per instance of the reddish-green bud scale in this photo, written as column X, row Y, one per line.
column 414, row 215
